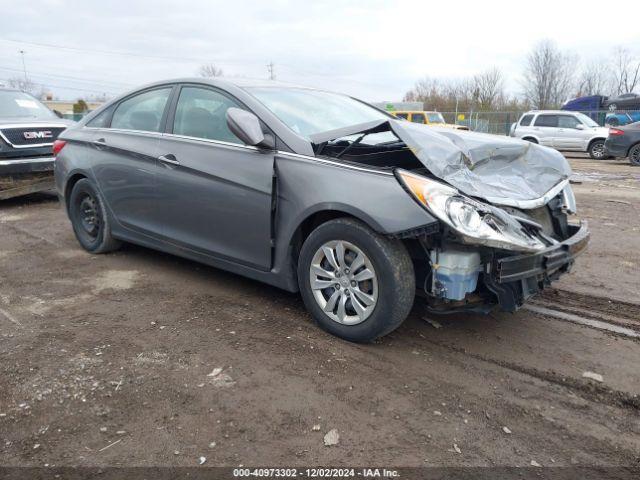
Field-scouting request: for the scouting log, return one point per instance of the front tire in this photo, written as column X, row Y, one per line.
column 357, row 284
column 89, row 218
column 596, row 150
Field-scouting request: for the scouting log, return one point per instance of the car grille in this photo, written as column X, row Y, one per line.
column 21, row 137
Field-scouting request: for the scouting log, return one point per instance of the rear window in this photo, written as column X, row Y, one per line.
column 547, row 121
column 402, row 115
column 525, row 121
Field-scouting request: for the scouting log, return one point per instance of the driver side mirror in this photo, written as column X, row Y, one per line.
column 580, row 126
column 246, row 126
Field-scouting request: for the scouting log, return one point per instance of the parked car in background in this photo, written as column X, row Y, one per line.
column 624, row 142
column 321, row 193
column 27, row 132
column 435, row 119
column 622, row 118
column 562, row 130
column 626, row 101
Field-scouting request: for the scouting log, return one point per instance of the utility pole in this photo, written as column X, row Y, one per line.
column 271, row 69
column 24, row 68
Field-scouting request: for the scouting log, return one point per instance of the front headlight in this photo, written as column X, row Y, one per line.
column 475, row 222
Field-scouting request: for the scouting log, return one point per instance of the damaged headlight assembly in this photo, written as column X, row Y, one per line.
column 475, row 223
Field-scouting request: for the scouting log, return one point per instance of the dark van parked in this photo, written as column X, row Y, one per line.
column 319, row 192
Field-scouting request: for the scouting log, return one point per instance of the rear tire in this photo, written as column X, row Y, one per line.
column 336, row 257
column 634, row 155
column 596, row 150
column 89, row 218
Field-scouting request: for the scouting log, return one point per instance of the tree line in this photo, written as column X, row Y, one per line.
column 549, row 78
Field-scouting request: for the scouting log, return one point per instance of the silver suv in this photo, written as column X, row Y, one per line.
column 562, row 130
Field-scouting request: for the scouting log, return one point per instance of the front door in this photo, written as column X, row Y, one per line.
column 214, row 192
column 568, row 135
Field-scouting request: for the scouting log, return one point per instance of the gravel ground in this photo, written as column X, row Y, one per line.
column 143, row 359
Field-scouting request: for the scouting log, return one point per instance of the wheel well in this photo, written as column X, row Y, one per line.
column 70, row 184
column 595, row 140
column 309, row 224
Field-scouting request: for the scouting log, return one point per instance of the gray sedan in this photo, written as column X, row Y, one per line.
column 321, row 193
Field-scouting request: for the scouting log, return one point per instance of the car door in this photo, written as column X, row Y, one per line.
column 418, row 117
column 214, row 191
column 545, row 127
column 126, row 152
column 569, row 136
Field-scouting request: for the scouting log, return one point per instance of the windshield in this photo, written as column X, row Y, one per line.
column 22, row 105
column 435, row 117
column 587, row 120
column 308, row 112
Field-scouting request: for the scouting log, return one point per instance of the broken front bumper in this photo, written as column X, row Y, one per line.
column 514, row 279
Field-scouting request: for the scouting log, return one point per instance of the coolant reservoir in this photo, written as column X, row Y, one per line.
column 455, row 272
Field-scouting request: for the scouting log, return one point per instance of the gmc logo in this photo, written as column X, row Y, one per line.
column 40, row 134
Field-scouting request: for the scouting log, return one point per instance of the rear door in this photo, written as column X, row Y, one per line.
column 214, row 192
column 126, row 152
column 545, row 127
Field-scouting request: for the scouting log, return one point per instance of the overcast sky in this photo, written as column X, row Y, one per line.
column 373, row 49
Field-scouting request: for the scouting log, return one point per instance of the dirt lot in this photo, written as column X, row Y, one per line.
column 115, row 360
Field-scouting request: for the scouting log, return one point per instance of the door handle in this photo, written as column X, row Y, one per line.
column 101, row 142
column 169, row 159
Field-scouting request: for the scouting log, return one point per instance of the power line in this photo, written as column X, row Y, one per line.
column 68, row 77
column 94, row 51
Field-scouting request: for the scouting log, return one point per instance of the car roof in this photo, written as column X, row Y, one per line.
column 413, row 111
column 563, row 112
column 240, row 82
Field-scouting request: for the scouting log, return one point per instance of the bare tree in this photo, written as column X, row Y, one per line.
column 23, row 84
column 210, row 70
column 595, row 79
column 488, row 88
column 548, row 76
column 626, row 71
column 484, row 91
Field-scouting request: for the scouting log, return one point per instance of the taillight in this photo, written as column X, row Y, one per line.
column 616, row 132
column 58, row 145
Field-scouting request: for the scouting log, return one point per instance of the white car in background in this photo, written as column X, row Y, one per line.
column 562, row 130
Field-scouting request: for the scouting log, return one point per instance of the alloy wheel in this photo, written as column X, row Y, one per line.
column 343, row 282
column 598, row 150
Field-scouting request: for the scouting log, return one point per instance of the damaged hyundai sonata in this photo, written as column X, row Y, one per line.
column 321, row 193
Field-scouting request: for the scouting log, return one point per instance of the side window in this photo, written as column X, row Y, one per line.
column 201, row 113
column 142, row 112
column 101, row 120
column 525, row 121
column 547, row 121
column 417, row 117
column 402, row 115
column 568, row 121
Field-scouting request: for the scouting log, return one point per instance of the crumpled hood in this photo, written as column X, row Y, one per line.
column 487, row 166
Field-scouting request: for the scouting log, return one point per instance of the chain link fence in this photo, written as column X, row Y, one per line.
column 499, row 123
